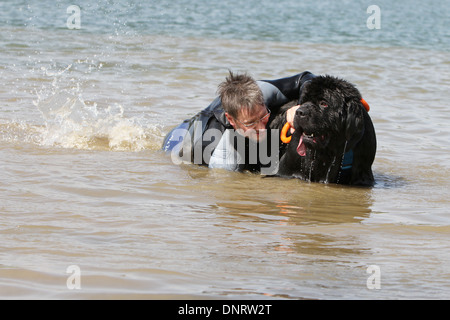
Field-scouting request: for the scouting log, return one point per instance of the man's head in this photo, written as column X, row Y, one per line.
column 244, row 106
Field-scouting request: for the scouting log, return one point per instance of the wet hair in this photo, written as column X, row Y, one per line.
column 239, row 91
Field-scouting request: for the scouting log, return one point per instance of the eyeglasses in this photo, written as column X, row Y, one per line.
column 253, row 124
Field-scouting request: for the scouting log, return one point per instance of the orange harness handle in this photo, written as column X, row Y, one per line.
column 283, row 133
column 365, row 104
column 287, row 126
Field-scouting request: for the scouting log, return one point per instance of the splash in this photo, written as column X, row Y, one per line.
column 72, row 123
column 65, row 120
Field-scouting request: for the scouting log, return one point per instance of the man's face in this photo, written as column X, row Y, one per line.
column 251, row 124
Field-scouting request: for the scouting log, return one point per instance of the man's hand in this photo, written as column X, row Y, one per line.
column 290, row 114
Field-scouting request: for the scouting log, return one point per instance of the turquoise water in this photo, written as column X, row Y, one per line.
column 416, row 24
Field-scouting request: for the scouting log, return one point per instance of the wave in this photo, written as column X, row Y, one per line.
column 69, row 122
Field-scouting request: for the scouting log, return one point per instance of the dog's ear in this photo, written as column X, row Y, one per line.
column 354, row 122
column 303, row 91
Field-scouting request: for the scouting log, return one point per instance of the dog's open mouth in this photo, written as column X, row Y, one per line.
column 312, row 140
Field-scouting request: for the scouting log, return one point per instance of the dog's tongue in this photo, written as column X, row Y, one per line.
column 301, row 148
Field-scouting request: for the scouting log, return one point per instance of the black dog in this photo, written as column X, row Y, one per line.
column 334, row 140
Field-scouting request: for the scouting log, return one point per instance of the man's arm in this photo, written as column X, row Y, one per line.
column 285, row 90
column 290, row 86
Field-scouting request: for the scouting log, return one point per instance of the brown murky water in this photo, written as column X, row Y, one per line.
column 84, row 183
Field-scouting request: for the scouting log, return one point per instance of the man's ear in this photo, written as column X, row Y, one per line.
column 230, row 120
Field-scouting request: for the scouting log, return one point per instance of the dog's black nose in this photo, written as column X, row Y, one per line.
column 301, row 112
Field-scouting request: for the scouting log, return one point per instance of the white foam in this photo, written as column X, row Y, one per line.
column 67, row 121
column 72, row 123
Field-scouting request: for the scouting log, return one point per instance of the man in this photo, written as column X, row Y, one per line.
column 231, row 132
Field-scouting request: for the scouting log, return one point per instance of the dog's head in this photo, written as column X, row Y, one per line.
column 330, row 115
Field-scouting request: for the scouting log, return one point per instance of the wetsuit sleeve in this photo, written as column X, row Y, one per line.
column 281, row 91
column 290, row 86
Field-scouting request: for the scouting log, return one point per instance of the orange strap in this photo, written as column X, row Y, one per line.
column 283, row 133
column 287, row 126
column 365, row 104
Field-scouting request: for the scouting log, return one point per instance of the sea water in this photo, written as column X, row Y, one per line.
column 91, row 208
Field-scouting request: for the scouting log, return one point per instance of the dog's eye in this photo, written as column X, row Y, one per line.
column 323, row 104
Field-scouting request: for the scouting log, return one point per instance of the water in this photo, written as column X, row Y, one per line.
column 83, row 113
